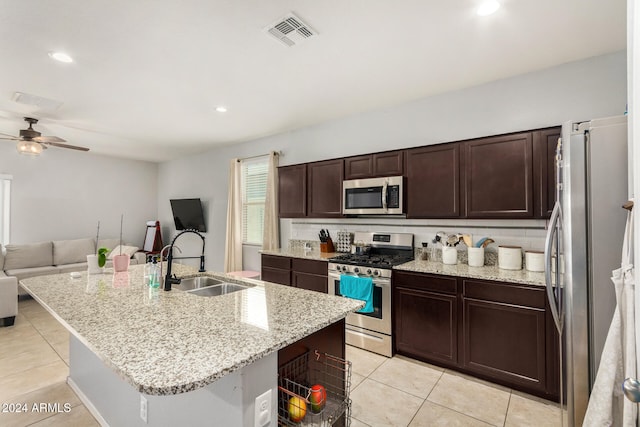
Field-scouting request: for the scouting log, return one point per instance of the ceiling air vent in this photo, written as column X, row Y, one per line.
column 36, row 101
column 290, row 30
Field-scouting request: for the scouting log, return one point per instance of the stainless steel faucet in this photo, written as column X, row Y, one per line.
column 169, row 280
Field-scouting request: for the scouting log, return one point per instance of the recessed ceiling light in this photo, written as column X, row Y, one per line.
column 488, row 7
column 61, row 56
column 221, row 109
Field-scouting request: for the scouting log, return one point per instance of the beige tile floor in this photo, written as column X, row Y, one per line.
column 34, row 359
column 404, row 392
column 34, row 365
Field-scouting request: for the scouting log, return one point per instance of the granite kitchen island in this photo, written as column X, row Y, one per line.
column 181, row 358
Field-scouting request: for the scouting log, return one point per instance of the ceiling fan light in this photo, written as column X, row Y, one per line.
column 29, row 148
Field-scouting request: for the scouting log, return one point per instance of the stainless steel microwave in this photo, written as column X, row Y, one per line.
column 373, row 196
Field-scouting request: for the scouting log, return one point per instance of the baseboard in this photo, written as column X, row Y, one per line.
column 87, row 403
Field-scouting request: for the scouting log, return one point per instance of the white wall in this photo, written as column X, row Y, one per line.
column 580, row 90
column 62, row 194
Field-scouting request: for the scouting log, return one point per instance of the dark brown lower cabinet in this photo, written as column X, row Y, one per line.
column 497, row 331
column 309, row 274
column 505, row 341
column 276, row 269
column 301, row 273
column 426, row 317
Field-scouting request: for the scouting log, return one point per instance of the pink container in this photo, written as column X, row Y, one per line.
column 120, row 263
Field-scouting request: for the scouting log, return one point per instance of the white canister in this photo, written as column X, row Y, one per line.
column 475, row 257
column 449, row 255
column 92, row 264
column 534, row 260
column 510, row 257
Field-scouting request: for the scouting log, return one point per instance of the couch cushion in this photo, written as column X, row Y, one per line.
column 126, row 250
column 31, row 255
column 1, row 258
column 72, row 251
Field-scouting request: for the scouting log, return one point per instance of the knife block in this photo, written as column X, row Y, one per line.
column 327, row 246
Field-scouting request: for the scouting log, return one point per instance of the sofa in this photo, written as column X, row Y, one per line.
column 52, row 257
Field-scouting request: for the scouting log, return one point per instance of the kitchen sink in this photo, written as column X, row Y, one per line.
column 221, row 289
column 198, row 282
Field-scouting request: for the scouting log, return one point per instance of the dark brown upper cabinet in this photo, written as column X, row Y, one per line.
column 324, row 196
column 390, row 163
column 433, row 181
column 544, row 170
column 497, row 174
column 292, row 191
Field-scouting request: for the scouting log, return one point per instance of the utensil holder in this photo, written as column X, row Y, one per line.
column 449, row 255
column 327, row 246
column 475, row 257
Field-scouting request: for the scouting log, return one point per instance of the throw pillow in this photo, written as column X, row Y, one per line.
column 125, row 250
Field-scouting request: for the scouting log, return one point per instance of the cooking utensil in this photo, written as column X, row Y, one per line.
column 467, row 240
column 484, row 242
column 452, row 240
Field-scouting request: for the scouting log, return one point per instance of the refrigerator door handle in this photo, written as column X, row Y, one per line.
column 551, row 233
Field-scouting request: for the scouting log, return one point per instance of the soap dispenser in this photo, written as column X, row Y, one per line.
column 147, row 270
column 154, row 276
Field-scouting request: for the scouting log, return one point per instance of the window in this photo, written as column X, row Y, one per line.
column 5, row 200
column 254, row 192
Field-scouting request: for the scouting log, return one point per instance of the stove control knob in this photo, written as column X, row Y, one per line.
column 376, row 272
column 369, row 272
column 356, row 270
column 344, row 268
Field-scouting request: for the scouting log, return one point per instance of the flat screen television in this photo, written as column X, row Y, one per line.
column 187, row 214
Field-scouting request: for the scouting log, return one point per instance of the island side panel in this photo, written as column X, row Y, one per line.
column 330, row 340
column 228, row 401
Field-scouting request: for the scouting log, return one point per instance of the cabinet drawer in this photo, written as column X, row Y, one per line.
column 429, row 282
column 310, row 266
column 276, row 275
column 275, row 261
column 507, row 293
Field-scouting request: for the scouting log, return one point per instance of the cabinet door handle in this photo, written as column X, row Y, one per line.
column 631, row 387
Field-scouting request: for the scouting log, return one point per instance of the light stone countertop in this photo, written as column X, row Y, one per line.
column 165, row 343
column 301, row 253
column 485, row 273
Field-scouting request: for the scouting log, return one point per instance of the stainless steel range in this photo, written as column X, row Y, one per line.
column 372, row 331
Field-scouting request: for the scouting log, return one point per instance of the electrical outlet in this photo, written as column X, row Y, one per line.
column 262, row 411
column 143, row 408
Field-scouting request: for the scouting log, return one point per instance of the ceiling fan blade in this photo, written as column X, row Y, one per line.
column 73, row 147
column 7, row 136
column 48, row 139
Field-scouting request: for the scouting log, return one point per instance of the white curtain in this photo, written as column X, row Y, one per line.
column 607, row 404
column 233, row 248
column 271, row 230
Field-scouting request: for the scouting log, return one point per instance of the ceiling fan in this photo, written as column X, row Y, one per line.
column 32, row 142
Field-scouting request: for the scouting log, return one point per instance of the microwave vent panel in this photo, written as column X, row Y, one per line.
column 290, row 30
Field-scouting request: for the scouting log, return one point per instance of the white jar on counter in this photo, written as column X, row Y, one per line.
column 449, row 255
column 510, row 257
column 475, row 257
column 534, row 260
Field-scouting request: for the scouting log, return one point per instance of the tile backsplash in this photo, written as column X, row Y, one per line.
column 528, row 234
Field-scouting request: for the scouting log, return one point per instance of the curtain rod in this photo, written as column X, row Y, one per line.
column 277, row 153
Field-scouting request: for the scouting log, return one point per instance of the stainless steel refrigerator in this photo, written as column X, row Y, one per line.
column 583, row 246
